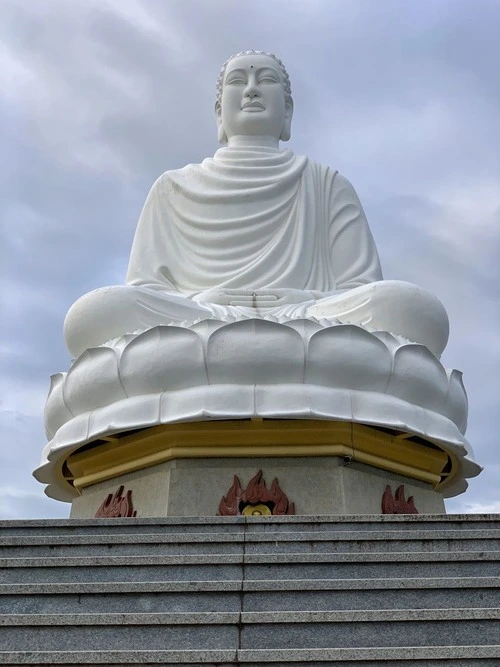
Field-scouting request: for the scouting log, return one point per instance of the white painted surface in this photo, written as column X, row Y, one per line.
column 254, row 289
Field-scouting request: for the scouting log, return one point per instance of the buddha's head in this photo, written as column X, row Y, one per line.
column 254, row 97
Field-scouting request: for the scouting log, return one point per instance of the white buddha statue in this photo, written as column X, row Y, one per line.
column 254, row 231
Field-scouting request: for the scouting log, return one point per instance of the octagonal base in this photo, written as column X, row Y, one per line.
column 322, row 467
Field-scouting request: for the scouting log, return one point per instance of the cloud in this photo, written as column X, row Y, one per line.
column 18, row 504
column 22, row 436
column 482, row 496
column 478, row 508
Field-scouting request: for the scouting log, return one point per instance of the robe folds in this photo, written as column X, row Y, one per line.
column 252, row 218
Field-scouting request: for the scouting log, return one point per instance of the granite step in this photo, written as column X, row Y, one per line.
column 122, row 631
column 249, row 630
column 252, row 591
column 189, row 658
column 263, row 595
column 90, row 544
column 241, row 524
column 328, row 566
column 368, row 628
column 249, row 566
column 435, row 656
column 370, row 594
column 407, row 656
column 118, row 561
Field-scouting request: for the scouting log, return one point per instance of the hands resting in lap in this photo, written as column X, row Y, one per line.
column 257, row 298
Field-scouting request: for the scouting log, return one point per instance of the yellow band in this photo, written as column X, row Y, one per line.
column 395, row 452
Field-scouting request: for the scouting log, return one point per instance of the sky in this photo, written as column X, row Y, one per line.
column 101, row 96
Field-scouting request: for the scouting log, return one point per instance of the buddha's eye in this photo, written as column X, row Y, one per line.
column 238, row 80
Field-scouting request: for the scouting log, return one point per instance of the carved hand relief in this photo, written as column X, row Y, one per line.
column 396, row 504
column 256, row 499
column 117, row 506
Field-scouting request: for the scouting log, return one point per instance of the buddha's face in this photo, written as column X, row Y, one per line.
column 253, row 99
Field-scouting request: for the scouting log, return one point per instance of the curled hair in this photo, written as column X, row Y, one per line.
column 286, row 79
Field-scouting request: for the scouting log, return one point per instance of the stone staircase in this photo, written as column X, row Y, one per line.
column 351, row 591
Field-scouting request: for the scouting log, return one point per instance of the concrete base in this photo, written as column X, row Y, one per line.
column 319, row 485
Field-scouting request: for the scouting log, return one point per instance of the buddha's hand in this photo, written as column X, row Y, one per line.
column 258, row 298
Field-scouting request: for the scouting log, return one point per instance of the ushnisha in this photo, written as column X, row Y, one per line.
column 254, row 231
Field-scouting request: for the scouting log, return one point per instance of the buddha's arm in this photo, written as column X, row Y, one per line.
column 353, row 252
column 146, row 266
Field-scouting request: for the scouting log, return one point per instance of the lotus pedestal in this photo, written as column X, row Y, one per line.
column 182, row 417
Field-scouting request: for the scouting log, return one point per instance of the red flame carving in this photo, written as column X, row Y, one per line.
column 116, row 506
column 256, row 492
column 397, row 504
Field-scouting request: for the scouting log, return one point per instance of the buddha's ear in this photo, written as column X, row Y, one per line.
column 286, row 130
column 222, row 136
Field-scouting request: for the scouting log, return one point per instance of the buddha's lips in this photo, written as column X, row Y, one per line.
column 253, row 106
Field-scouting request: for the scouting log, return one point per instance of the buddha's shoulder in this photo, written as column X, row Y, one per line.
column 327, row 172
column 172, row 176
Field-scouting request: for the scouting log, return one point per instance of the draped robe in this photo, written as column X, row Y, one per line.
column 258, row 218
column 250, row 219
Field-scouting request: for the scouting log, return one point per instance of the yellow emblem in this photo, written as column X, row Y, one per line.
column 256, row 510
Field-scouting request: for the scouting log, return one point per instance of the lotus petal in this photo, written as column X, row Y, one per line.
column 378, row 409
column 440, row 429
column 57, row 412
column 161, row 359
column 207, row 403
column 70, row 434
column 456, row 406
column 302, row 401
column 348, row 357
column 205, row 328
column 255, row 352
column 390, row 341
column 130, row 414
column 470, row 468
column 306, row 328
column 121, row 343
column 58, row 492
column 418, row 377
column 93, row 381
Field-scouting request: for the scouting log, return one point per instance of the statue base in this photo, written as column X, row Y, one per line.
column 309, row 467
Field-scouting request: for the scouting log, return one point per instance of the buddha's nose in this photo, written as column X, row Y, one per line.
column 252, row 90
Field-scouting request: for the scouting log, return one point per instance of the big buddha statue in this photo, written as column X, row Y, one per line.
column 254, row 231
column 255, row 336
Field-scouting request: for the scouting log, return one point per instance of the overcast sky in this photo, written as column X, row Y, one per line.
column 101, row 96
